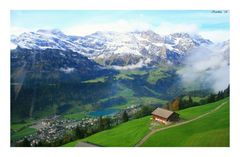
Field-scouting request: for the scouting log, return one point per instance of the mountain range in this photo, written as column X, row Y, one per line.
column 115, row 50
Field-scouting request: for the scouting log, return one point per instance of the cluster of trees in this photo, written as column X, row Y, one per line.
column 144, row 111
column 182, row 102
column 186, row 103
column 103, row 123
column 220, row 95
column 24, row 143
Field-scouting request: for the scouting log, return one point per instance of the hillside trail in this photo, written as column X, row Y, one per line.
column 86, row 144
column 178, row 124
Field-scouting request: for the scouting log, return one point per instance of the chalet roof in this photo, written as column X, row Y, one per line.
column 162, row 112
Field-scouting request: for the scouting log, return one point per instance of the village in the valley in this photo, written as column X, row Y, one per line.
column 55, row 127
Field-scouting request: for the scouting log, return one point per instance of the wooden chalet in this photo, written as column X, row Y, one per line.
column 164, row 116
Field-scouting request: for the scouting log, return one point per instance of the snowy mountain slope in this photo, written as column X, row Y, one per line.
column 121, row 50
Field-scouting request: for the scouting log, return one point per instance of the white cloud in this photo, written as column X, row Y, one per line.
column 207, row 68
column 168, row 28
column 118, row 26
column 129, row 67
column 215, row 36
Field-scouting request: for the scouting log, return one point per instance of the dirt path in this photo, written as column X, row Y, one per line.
column 178, row 124
column 86, row 144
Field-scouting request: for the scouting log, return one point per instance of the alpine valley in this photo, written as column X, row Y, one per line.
column 99, row 74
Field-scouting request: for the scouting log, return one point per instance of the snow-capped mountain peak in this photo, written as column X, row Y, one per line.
column 114, row 48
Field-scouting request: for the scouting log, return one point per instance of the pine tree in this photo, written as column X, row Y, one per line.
column 124, row 116
column 227, row 91
column 211, row 98
column 101, row 125
column 80, row 132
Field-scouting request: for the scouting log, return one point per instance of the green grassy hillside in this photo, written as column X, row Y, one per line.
column 193, row 112
column 212, row 130
column 126, row 134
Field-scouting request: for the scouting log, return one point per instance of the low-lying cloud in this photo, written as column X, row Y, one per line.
column 207, row 67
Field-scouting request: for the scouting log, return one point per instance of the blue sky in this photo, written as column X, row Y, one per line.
column 86, row 22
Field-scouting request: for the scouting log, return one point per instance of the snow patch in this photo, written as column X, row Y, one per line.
column 67, row 70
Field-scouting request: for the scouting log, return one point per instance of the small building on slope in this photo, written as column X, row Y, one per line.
column 164, row 116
